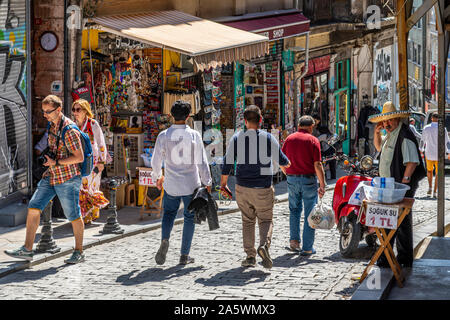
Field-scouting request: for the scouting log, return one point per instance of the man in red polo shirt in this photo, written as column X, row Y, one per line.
column 303, row 150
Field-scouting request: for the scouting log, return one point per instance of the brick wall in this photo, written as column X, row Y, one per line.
column 46, row 66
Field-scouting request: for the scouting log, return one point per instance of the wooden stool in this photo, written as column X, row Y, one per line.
column 152, row 206
column 385, row 247
column 130, row 195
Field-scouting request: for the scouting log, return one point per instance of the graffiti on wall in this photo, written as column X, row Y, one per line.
column 382, row 76
column 13, row 112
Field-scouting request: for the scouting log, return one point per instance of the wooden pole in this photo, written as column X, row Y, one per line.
column 402, row 36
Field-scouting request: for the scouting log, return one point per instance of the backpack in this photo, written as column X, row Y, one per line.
column 88, row 163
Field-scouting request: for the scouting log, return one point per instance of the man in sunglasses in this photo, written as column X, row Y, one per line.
column 62, row 178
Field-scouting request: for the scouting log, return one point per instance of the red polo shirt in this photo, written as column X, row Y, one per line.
column 302, row 149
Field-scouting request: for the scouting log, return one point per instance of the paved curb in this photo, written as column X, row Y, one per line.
column 129, row 232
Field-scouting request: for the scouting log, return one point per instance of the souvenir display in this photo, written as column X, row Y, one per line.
column 262, row 88
column 123, row 81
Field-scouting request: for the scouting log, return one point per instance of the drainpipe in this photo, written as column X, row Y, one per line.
column 66, row 84
column 297, row 81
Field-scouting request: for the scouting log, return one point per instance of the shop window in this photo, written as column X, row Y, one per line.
column 409, row 50
column 414, row 52
column 419, row 51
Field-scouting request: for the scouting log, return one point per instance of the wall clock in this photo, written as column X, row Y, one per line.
column 49, row 41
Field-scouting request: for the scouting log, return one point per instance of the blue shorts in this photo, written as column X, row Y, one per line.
column 67, row 192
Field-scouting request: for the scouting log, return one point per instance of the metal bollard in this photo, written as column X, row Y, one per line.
column 46, row 243
column 111, row 225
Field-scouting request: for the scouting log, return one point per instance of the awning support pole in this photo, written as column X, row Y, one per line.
column 297, row 83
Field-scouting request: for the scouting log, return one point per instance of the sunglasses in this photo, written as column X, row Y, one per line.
column 48, row 112
column 75, row 110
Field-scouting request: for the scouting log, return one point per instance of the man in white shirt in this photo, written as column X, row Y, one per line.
column 429, row 144
column 186, row 168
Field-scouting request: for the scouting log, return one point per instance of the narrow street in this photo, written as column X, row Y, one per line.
column 126, row 269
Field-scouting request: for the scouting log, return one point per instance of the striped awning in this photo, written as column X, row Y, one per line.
column 209, row 43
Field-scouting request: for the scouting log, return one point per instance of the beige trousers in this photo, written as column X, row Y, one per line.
column 255, row 203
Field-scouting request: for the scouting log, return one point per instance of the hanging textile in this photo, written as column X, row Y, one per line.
column 192, row 98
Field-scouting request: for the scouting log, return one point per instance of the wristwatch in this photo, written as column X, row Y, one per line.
column 407, row 178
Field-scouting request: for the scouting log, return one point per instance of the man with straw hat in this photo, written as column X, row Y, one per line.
column 400, row 159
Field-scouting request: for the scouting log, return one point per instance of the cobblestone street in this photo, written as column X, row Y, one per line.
column 126, row 269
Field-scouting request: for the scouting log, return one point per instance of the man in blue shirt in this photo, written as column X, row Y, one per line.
column 254, row 152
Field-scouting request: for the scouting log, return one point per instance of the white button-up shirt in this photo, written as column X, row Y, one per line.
column 429, row 141
column 185, row 163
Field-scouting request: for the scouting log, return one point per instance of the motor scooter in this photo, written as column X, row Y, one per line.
column 349, row 219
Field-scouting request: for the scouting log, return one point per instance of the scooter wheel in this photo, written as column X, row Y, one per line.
column 349, row 239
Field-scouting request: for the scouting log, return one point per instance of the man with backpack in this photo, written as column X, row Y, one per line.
column 65, row 161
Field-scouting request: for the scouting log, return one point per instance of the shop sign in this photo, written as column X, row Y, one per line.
column 145, row 177
column 381, row 216
column 285, row 32
column 318, row 65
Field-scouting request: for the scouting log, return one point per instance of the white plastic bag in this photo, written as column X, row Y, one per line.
column 358, row 195
column 321, row 217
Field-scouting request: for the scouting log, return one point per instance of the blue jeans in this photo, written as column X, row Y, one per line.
column 68, row 194
column 302, row 195
column 171, row 204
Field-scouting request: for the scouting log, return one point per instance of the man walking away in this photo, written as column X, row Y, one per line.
column 303, row 149
column 185, row 169
column 254, row 152
column 62, row 178
column 429, row 144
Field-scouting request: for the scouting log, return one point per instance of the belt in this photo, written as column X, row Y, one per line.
column 302, row 175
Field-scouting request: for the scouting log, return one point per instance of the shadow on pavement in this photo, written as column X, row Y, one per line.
column 290, row 260
column 155, row 275
column 32, row 275
column 363, row 253
column 234, row 277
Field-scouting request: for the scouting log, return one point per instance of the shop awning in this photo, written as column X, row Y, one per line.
column 209, row 43
column 274, row 27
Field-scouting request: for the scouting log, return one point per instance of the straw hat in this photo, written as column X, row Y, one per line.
column 389, row 112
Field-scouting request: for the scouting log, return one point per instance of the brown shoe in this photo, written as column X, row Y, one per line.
column 294, row 245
